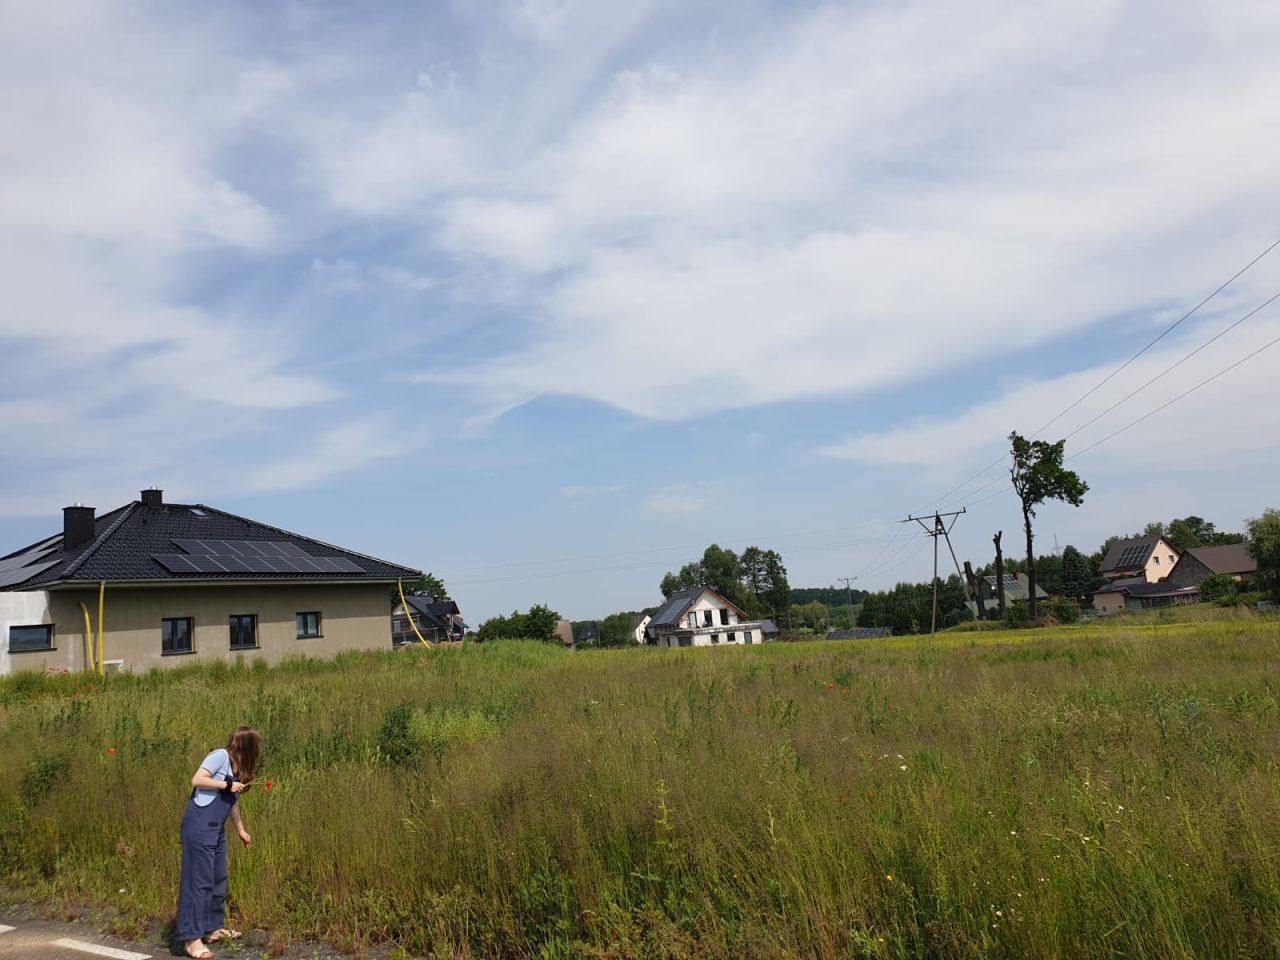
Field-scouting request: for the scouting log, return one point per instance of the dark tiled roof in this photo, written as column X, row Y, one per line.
column 1228, row 558
column 1120, row 586
column 125, row 542
column 680, row 601
column 1131, row 554
column 768, row 626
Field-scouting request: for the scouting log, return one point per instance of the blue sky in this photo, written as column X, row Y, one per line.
column 544, row 296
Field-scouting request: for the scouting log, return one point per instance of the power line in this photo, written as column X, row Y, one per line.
column 1167, row 370
column 1107, row 379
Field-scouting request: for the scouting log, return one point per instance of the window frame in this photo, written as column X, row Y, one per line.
column 191, row 636
column 733, row 636
column 299, row 625
column 231, row 640
column 48, row 632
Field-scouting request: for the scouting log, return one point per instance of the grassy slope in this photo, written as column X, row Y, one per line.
column 1086, row 792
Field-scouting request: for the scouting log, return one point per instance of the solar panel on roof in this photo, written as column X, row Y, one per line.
column 28, row 556
column 175, row 562
column 16, row 575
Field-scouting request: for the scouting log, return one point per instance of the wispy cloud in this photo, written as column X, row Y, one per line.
column 676, row 500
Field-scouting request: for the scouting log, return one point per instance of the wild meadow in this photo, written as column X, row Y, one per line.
column 1092, row 791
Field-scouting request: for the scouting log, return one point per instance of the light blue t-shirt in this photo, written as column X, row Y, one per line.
column 217, row 763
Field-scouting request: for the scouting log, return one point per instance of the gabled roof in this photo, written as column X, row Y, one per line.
column 669, row 613
column 1227, row 558
column 768, row 626
column 638, row 619
column 127, row 541
column 1131, row 554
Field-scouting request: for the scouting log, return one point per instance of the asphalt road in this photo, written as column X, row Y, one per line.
column 40, row 940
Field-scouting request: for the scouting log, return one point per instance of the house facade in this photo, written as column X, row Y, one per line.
column 639, row 625
column 700, row 617
column 1135, row 593
column 1015, row 588
column 1196, row 563
column 437, row 621
column 165, row 584
column 1151, row 558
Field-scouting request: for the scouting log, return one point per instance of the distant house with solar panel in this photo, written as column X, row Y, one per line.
column 1015, row 588
column 183, row 582
column 1149, row 557
column 700, row 617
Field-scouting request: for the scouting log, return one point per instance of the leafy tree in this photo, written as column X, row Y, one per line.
column 1038, row 475
column 427, row 585
column 1049, row 574
column 1188, row 532
column 1153, row 529
column 1218, row 586
column 1264, row 547
column 1078, row 574
column 538, row 624
column 615, row 630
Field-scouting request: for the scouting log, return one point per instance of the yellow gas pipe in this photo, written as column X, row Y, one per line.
column 88, row 637
column 405, row 604
column 100, row 666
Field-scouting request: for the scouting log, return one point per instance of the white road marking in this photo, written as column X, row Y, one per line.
column 101, row 951
column 4, row 929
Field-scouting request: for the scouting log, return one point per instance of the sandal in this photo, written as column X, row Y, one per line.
column 207, row 955
column 223, row 934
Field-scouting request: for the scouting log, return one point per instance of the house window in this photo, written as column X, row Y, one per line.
column 1157, row 560
column 244, row 631
column 715, row 638
column 693, row 620
column 724, row 617
column 733, row 638
column 308, row 624
column 686, row 641
column 175, row 636
column 1171, row 560
column 706, row 618
column 28, row 639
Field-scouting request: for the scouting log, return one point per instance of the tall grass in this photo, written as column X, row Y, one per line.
column 1084, row 792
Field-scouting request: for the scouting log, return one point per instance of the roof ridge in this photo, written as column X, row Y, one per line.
column 76, row 564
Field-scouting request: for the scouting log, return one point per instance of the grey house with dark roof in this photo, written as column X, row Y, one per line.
column 1196, row 563
column 437, row 621
column 182, row 582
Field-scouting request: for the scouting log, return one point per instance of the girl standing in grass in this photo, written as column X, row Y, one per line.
column 222, row 777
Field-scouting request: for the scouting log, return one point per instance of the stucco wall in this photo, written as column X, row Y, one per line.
column 24, row 609
column 1111, row 602
column 1159, row 564
column 353, row 617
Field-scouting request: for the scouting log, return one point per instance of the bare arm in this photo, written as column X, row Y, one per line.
column 205, row 780
column 238, row 823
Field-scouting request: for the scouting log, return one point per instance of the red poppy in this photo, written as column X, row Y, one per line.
column 111, row 749
column 267, row 785
column 830, row 686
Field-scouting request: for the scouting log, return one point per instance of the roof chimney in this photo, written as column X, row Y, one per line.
column 77, row 525
column 153, row 497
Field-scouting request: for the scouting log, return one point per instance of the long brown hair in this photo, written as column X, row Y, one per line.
column 243, row 747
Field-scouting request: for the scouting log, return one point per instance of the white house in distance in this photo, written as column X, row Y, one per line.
column 639, row 625
column 700, row 617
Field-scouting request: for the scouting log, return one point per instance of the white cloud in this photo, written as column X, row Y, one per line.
column 676, row 500
column 864, row 200
column 344, row 448
column 1227, row 423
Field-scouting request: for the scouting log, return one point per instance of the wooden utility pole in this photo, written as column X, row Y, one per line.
column 999, row 572
column 938, row 528
column 848, row 583
column 974, row 588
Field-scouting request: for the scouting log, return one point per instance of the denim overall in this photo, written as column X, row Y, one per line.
column 203, row 888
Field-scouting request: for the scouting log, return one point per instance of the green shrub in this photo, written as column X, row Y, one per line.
column 396, row 743
column 1061, row 609
column 1220, row 588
